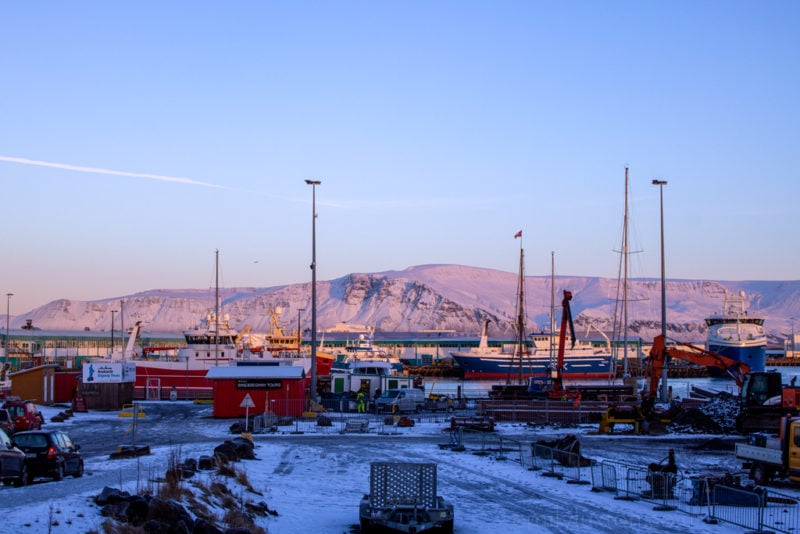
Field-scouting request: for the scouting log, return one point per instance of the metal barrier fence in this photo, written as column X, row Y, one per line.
column 757, row 509
column 553, row 462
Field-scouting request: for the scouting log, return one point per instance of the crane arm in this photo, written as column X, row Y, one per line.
column 658, row 353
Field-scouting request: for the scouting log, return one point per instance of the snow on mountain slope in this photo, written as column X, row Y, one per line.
column 452, row 297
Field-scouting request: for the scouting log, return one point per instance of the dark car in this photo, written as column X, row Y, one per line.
column 49, row 453
column 6, row 422
column 12, row 462
column 24, row 414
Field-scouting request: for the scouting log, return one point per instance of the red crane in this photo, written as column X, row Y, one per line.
column 558, row 391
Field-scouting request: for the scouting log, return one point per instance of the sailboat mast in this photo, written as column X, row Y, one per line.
column 521, row 313
column 552, row 350
column 625, row 260
column 216, row 307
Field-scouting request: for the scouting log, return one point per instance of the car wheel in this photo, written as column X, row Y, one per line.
column 58, row 474
column 23, row 477
column 79, row 472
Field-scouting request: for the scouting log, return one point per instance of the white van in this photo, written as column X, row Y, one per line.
column 401, row 400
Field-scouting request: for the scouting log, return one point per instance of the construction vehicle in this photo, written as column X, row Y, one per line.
column 644, row 417
column 403, row 498
column 659, row 353
column 554, row 384
column 763, row 399
column 770, row 456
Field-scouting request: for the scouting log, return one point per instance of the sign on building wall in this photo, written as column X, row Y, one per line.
column 255, row 383
column 104, row 373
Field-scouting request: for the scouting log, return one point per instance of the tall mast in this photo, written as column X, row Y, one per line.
column 552, row 305
column 216, row 307
column 521, row 314
column 625, row 260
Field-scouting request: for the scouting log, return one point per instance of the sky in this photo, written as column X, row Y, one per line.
column 139, row 138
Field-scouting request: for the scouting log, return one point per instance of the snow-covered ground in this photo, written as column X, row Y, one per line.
column 314, row 480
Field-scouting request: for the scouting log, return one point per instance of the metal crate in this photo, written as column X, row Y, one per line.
column 403, row 484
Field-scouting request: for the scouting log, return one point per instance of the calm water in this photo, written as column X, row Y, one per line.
column 680, row 386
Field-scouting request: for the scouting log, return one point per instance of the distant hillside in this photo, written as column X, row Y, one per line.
column 449, row 297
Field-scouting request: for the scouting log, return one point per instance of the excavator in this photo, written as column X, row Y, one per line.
column 763, row 398
column 736, row 369
column 646, row 411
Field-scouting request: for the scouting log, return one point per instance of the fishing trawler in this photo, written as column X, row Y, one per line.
column 735, row 333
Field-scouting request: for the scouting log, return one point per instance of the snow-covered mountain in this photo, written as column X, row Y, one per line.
column 451, row 297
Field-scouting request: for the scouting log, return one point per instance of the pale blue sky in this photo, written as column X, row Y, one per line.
column 438, row 129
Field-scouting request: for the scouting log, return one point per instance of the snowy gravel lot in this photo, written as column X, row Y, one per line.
column 315, row 476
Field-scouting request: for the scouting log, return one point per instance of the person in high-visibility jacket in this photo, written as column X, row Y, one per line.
column 360, row 399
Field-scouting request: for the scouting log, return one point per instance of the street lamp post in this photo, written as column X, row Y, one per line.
column 8, row 326
column 313, row 184
column 664, row 391
column 792, row 319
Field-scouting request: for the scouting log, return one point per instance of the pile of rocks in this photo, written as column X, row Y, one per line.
column 716, row 416
column 165, row 510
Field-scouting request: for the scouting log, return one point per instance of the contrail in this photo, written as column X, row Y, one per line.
column 95, row 170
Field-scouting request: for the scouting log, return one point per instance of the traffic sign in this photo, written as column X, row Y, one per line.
column 247, row 402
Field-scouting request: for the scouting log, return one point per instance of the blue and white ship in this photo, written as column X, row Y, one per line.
column 484, row 362
column 738, row 335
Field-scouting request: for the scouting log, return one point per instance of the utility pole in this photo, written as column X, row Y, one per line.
column 664, row 397
column 313, row 184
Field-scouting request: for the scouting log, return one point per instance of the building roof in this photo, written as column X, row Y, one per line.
column 255, row 371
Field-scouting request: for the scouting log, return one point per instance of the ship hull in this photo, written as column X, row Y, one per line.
column 500, row 366
column 754, row 355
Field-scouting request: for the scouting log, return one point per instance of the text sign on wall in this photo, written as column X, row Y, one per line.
column 250, row 383
column 108, row 373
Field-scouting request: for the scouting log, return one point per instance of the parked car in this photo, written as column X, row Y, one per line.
column 24, row 414
column 12, row 462
column 6, row 422
column 49, row 453
column 401, row 400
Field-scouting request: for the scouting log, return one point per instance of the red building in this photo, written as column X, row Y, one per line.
column 280, row 389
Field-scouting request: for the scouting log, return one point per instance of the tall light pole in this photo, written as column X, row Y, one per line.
column 313, row 184
column 112, row 331
column 8, row 324
column 792, row 319
column 664, row 391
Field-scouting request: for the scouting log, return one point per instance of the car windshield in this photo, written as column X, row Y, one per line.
column 16, row 411
column 31, row 440
column 390, row 394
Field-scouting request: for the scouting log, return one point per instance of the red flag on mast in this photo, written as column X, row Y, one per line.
column 518, row 234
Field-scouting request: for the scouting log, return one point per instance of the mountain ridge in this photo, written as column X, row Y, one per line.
column 436, row 296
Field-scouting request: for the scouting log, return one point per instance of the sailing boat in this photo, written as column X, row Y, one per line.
column 522, row 362
column 211, row 343
column 621, row 316
column 493, row 363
